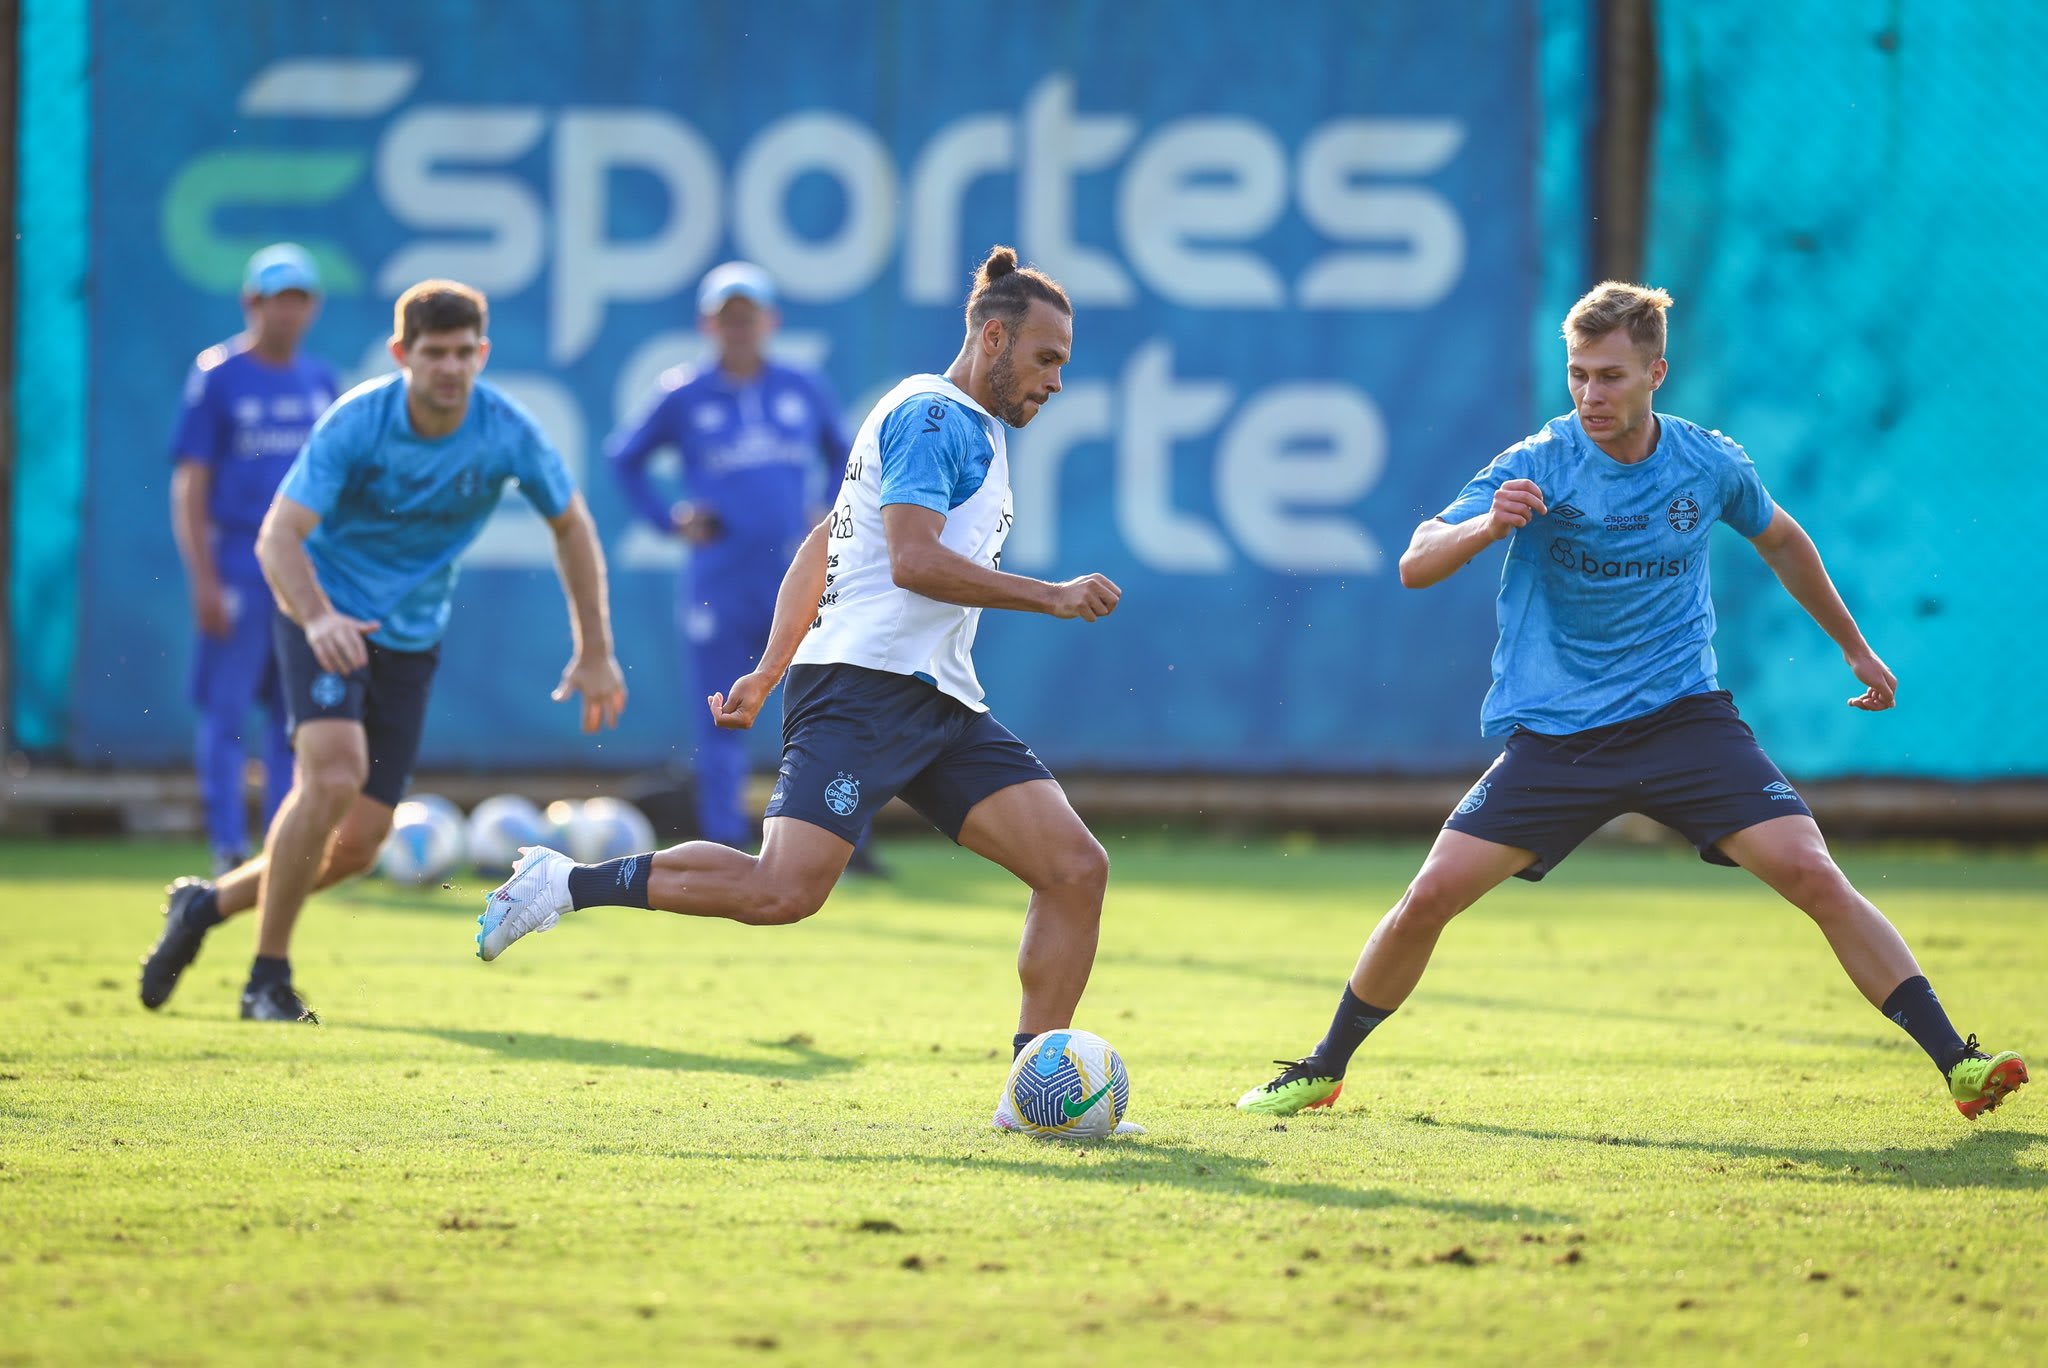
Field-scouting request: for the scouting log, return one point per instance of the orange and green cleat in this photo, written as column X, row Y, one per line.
column 1979, row 1082
column 1303, row 1084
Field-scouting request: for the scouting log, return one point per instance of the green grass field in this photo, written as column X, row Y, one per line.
column 1635, row 1114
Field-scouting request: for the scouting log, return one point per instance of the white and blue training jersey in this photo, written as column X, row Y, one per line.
column 925, row 443
column 1605, row 609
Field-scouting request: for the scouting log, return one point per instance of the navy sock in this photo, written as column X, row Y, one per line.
column 615, row 883
column 1354, row 1021
column 204, row 910
column 1019, row 1041
column 1915, row 1007
column 269, row 969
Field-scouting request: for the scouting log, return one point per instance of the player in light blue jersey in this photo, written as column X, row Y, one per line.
column 249, row 404
column 359, row 548
column 1604, row 688
column 874, row 624
column 757, row 439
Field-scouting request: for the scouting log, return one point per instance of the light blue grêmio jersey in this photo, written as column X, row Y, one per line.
column 1605, row 609
column 396, row 509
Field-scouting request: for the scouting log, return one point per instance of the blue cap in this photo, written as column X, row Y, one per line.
column 280, row 267
column 735, row 280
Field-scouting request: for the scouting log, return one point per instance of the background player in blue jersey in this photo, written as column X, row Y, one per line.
column 1604, row 686
column 758, row 441
column 874, row 624
column 360, row 547
column 249, row 404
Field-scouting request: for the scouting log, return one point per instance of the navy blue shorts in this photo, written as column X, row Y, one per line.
column 854, row 738
column 388, row 696
column 1693, row 765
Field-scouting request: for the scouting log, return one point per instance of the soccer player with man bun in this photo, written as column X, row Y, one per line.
column 1604, row 686
column 874, row 625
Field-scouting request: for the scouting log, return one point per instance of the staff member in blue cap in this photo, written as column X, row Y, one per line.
column 762, row 444
column 249, row 403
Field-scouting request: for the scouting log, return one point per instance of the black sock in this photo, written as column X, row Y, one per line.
column 269, row 969
column 204, row 910
column 1019, row 1041
column 1348, row 1029
column 1915, row 1007
column 615, row 883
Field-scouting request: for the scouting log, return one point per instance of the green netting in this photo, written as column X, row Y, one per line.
column 1846, row 201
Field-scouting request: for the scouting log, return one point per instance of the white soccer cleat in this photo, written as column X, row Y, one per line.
column 533, row 899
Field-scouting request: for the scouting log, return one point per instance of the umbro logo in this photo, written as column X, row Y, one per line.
column 1781, row 791
column 1567, row 511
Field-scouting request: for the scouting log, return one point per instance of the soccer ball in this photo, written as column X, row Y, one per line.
column 601, row 829
column 1068, row 1084
column 500, row 826
column 425, row 844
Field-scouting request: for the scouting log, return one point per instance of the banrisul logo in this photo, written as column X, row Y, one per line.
column 1572, row 557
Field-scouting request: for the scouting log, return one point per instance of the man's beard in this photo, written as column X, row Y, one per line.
column 1002, row 389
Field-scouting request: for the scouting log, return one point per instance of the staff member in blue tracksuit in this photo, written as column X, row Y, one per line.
column 755, row 436
column 249, row 403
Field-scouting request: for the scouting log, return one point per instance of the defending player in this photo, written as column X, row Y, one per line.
column 1603, row 684
column 873, row 623
column 360, row 548
column 249, row 404
column 755, row 436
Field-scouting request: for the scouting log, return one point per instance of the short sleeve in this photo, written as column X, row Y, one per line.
column 202, row 430
column 935, row 454
column 320, row 472
column 542, row 474
column 1516, row 463
column 1746, row 505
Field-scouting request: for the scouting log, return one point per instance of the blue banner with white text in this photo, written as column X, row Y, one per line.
column 1302, row 243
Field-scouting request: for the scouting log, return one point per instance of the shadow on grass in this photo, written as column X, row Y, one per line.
column 1986, row 1159
column 789, row 1058
column 1150, row 1163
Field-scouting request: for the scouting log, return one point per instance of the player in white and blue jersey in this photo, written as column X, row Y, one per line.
column 249, row 403
column 359, row 549
column 874, row 624
column 758, row 439
column 1604, row 688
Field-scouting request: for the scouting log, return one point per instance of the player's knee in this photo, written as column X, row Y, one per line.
column 332, row 783
column 1081, row 867
column 785, row 906
column 347, row 858
column 1430, row 900
column 1813, row 882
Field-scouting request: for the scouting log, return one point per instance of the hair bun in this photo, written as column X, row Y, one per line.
column 999, row 263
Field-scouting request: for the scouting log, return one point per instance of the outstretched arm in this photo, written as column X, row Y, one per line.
column 921, row 563
column 592, row 671
column 796, row 608
column 1439, row 549
column 1793, row 558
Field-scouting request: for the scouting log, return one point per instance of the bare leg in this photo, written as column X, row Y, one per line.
column 1458, row 871
column 1791, row 855
column 332, row 761
column 351, row 851
column 1032, row 831
column 790, row 879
